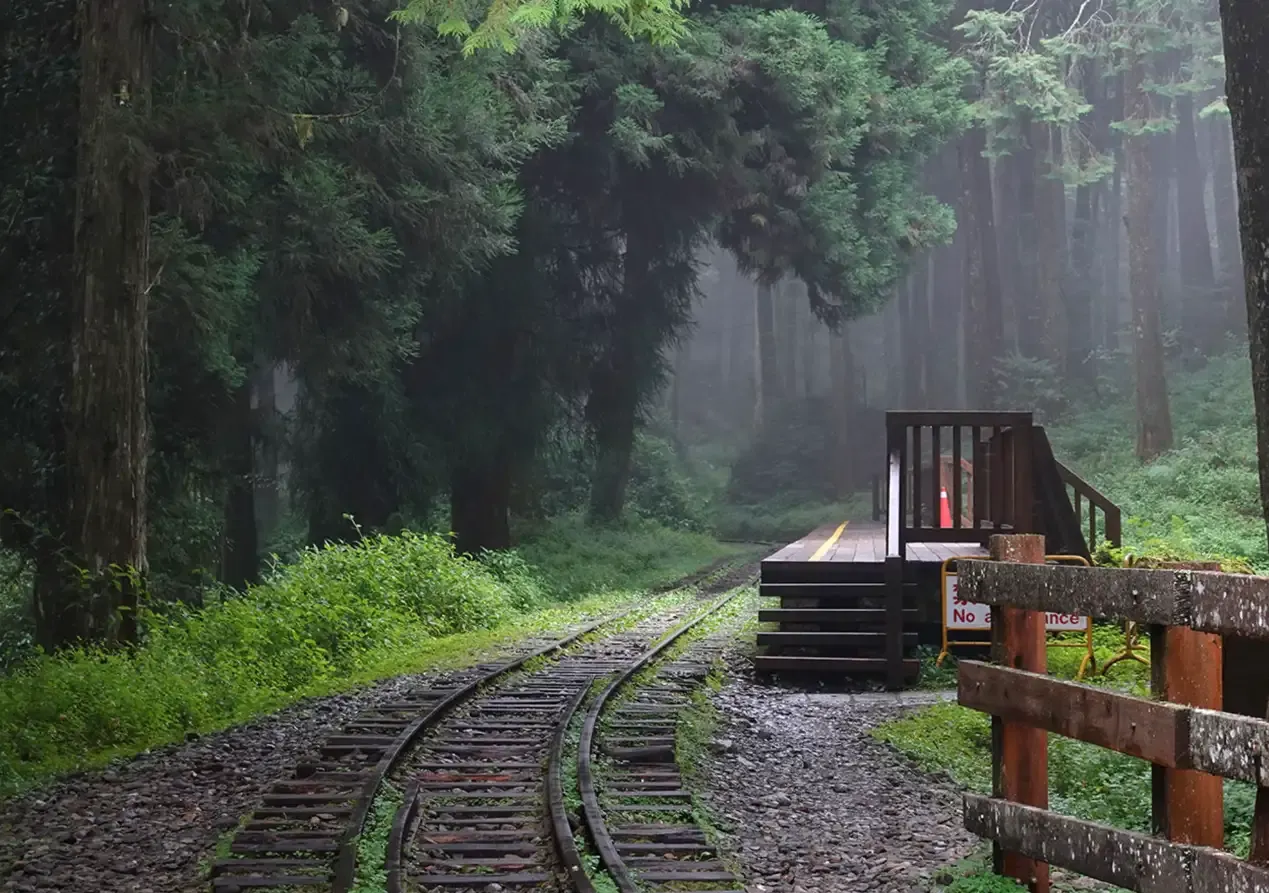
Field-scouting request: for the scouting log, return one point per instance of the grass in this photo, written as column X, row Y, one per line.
column 1200, row 500
column 337, row 618
column 1085, row 781
column 372, row 847
column 781, row 521
column 575, row 558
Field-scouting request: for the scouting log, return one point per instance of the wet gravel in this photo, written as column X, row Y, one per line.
column 152, row 825
column 810, row 803
column 813, row 804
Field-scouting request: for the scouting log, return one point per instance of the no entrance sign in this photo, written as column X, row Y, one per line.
column 960, row 614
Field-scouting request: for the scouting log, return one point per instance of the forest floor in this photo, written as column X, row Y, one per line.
column 837, row 811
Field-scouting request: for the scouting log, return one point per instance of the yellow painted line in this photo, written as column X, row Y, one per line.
column 828, row 543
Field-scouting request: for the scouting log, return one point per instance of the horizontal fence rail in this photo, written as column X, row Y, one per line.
column 1190, row 746
column 1207, row 601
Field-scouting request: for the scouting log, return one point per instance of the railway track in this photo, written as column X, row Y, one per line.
column 638, row 813
column 468, row 772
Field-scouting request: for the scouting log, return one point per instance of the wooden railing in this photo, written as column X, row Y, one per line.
column 1187, row 743
column 995, row 497
column 1099, row 507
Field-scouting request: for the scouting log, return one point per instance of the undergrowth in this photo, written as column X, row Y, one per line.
column 372, row 846
column 574, row 557
column 785, row 519
column 1201, row 499
column 337, row 617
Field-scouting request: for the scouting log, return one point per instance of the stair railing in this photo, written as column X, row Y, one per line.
column 1111, row 526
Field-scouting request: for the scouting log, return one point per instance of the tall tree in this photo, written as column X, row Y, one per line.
column 984, row 315
column 1246, row 34
column 1154, row 418
column 107, row 430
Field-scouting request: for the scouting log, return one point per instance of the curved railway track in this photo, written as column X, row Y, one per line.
column 479, row 759
column 638, row 814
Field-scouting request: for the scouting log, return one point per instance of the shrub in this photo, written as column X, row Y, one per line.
column 324, row 618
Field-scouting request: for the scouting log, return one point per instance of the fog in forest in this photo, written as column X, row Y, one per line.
column 1030, row 307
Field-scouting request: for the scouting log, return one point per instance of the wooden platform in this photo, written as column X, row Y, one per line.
column 833, row 597
column 865, row 543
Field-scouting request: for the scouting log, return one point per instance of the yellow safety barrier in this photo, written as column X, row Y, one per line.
column 1132, row 636
column 948, row 642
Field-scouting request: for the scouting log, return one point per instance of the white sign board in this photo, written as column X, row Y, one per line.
column 960, row 614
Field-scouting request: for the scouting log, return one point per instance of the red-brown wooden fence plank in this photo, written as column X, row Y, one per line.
column 1020, row 753
column 1189, row 806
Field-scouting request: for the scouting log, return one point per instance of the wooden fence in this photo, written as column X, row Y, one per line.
column 1190, row 745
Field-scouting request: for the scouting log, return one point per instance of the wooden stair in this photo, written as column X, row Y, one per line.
column 835, row 624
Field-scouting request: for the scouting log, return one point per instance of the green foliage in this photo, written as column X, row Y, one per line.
column 504, row 23
column 792, row 457
column 340, row 614
column 372, row 846
column 984, row 883
column 661, row 489
column 1031, row 382
column 575, row 558
column 1201, row 500
column 784, row 519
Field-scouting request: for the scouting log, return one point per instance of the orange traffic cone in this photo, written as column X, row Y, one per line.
column 945, row 511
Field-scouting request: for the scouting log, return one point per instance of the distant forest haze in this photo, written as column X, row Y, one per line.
column 278, row 273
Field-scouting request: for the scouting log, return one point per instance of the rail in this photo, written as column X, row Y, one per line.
column 1192, row 745
column 1111, row 528
column 592, row 811
column 995, row 498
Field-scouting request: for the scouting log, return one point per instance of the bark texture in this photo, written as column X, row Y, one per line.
column 1154, row 418
column 107, row 431
column 1245, row 25
column 984, row 319
column 768, row 377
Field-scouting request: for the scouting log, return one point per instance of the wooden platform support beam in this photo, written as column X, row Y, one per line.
column 894, row 623
column 1185, row 668
column 1020, row 754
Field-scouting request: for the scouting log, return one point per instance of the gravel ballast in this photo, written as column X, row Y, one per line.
column 811, row 803
column 152, row 825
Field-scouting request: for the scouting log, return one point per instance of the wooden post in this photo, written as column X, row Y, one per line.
column 894, row 622
column 1020, row 754
column 1260, row 827
column 1185, row 668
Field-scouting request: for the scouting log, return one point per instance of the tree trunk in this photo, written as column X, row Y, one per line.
column 268, row 489
column 1245, row 27
column 1028, row 300
column 242, row 541
column 1009, row 246
column 1050, row 249
column 1195, row 241
column 614, row 426
column 1198, row 276
column 1154, row 420
column 107, row 428
column 984, row 318
column 1079, row 301
column 786, row 334
column 480, row 506
column 916, row 342
column 768, row 369
column 1115, row 240
column 842, row 393
column 1225, row 207
column 676, row 394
